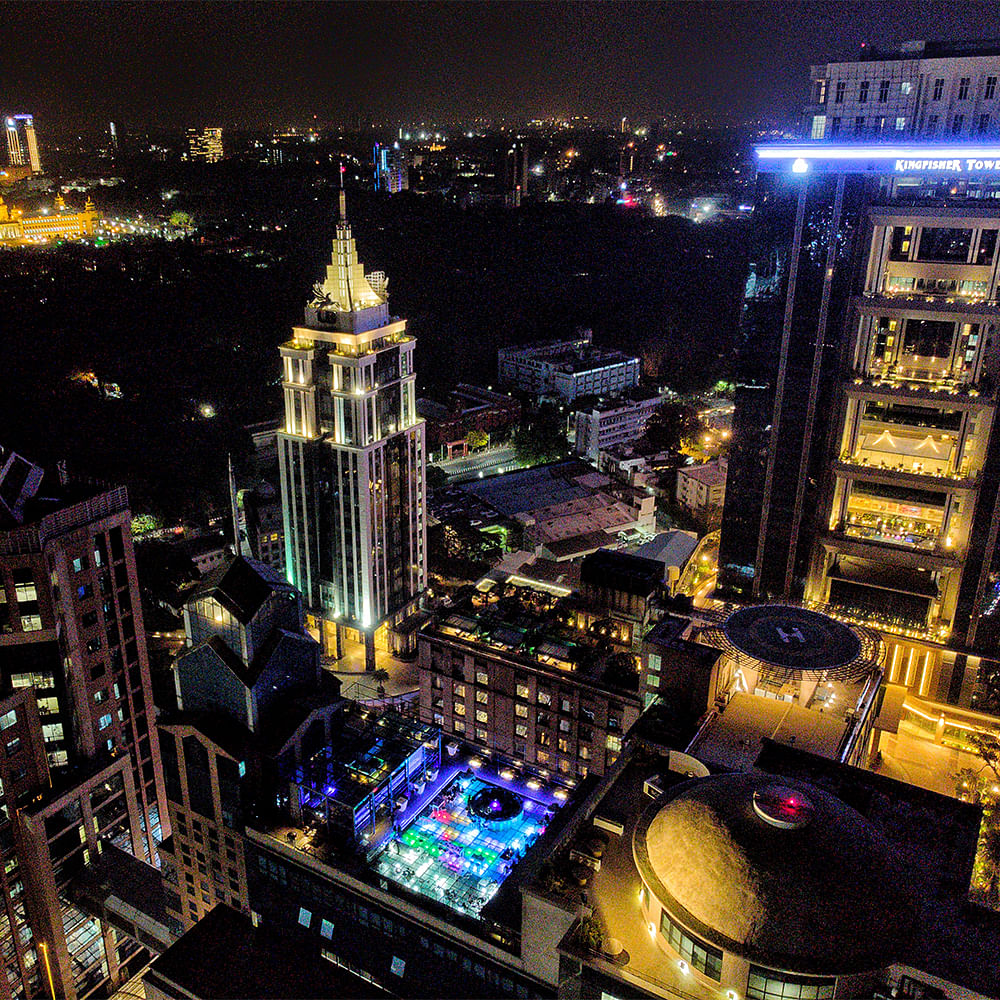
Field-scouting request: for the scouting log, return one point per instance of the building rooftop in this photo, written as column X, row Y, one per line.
column 532, row 489
column 241, row 586
column 778, row 871
column 631, row 574
column 225, row 956
column 670, row 548
column 533, row 626
column 710, row 474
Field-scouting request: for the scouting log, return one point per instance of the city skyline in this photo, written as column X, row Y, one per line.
column 177, row 65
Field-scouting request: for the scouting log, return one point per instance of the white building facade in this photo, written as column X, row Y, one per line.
column 352, row 457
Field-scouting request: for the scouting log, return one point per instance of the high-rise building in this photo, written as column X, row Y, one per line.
column 352, row 457
column 516, row 174
column 22, row 143
column 81, row 763
column 392, row 168
column 865, row 464
column 205, row 144
column 931, row 90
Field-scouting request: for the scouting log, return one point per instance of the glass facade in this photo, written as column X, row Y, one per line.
column 766, row 984
column 698, row 954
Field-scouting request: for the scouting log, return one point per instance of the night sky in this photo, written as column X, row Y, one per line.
column 267, row 64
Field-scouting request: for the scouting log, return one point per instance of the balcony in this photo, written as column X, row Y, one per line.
column 901, row 474
column 913, row 384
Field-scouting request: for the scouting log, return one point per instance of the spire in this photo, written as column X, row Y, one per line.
column 343, row 197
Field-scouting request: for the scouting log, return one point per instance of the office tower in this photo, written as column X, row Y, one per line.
column 865, row 464
column 113, row 136
column 22, row 143
column 72, row 624
column 205, row 144
column 392, row 168
column 516, row 174
column 81, row 767
column 931, row 90
column 247, row 660
column 352, row 458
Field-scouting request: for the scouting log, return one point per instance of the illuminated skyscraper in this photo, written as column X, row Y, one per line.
column 22, row 143
column 392, row 168
column 205, row 144
column 516, row 174
column 352, row 457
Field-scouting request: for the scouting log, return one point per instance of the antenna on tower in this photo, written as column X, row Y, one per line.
column 343, row 197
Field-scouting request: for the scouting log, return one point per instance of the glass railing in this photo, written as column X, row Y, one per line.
column 964, row 474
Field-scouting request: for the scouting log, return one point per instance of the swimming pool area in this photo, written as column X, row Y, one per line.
column 463, row 844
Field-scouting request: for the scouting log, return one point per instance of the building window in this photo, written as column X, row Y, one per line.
column 482, row 697
column 544, row 698
column 991, row 88
column 305, row 916
column 459, row 690
column 766, row 984
column 984, row 123
column 963, row 88
column 565, row 725
column 905, row 87
column 614, row 742
column 932, row 123
column 841, row 92
column 482, row 715
column 481, row 735
column 883, row 91
column 834, row 126
column 863, row 92
column 521, row 730
column 698, row 954
column 859, row 124
column 957, row 124
column 522, row 691
column 104, row 722
column 938, row 90
column 521, row 711
column 459, row 726
column 459, row 708
column 326, row 929
column 900, row 124
column 482, row 677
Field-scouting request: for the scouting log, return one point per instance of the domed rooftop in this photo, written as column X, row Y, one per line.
column 775, row 870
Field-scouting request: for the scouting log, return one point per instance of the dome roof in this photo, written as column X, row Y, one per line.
column 775, row 870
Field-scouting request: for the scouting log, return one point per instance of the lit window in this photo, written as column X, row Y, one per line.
column 326, row 929
column 482, row 716
column 305, row 916
column 614, row 742
column 522, row 691
column 482, row 697
column 104, row 722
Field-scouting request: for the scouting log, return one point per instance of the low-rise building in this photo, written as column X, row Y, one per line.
column 614, row 421
column 468, row 408
column 567, row 369
column 702, row 488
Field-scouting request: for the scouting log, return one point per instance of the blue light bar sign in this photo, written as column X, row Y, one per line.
column 955, row 166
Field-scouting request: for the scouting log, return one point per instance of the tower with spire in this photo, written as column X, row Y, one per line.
column 352, row 458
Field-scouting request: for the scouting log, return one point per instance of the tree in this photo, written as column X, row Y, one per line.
column 540, row 436
column 436, row 477
column 477, row 439
column 181, row 220
column 669, row 427
column 380, row 675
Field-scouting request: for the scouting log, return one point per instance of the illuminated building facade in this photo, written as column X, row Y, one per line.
column 352, row 457
column 516, row 174
column 62, row 223
column 927, row 90
column 205, row 144
column 392, row 168
column 865, row 464
column 22, row 143
column 80, row 764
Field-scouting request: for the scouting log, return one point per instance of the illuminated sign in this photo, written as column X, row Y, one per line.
column 802, row 157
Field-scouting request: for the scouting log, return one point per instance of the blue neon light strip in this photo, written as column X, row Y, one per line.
column 822, row 151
